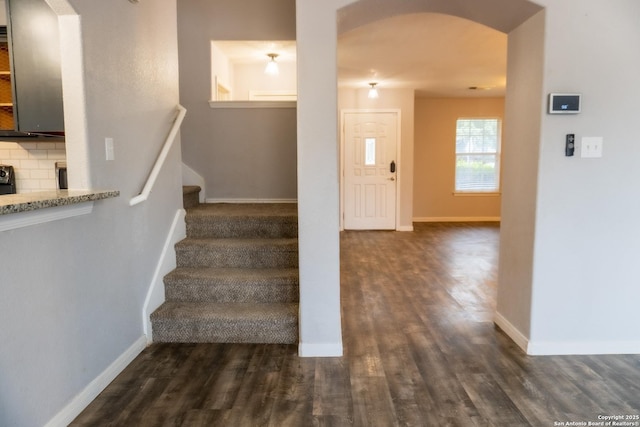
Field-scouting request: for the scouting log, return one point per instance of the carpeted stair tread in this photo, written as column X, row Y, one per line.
column 245, row 209
column 240, row 253
column 223, row 220
column 236, row 275
column 232, row 285
column 213, row 322
column 286, row 243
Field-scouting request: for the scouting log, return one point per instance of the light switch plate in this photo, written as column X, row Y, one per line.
column 109, row 150
column 591, row 146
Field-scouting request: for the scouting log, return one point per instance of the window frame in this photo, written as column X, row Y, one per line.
column 497, row 155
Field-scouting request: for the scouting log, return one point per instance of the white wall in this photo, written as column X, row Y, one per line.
column 3, row 12
column 524, row 106
column 587, row 240
column 221, row 70
column 249, row 77
column 318, row 190
column 73, row 290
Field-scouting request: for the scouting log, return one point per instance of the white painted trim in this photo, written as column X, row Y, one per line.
column 457, row 219
column 95, row 387
column 582, row 348
column 511, row 331
column 475, row 194
column 253, row 104
column 41, row 216
column 320, row 350
column 398, row 161
column 405, row 228
column 223, row 200
column 273, row 95
column 191, row 177
column 166, row 263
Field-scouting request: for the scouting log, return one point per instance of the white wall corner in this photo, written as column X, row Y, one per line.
column 166, row 263
column 95, row 387
column 320, row 350
column 512, row 332
column 191, row 177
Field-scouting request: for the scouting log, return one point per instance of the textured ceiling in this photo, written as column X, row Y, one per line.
column 437, row 55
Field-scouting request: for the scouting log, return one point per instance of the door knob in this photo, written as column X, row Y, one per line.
column 391, row 179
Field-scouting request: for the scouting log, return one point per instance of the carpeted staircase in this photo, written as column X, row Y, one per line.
column 236, row 278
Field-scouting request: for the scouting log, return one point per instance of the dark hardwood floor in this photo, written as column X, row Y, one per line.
column 420, row 350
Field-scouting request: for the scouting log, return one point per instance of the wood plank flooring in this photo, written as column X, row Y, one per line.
column 420, row 350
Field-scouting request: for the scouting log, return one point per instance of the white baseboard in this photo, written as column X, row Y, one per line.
column 166, row 263
column 582, row 348
column 320, row 350
column 565, row 348
column 95, row 387
column 216, row 200
column 511, row 331
column 457, row 219
column 405, row 228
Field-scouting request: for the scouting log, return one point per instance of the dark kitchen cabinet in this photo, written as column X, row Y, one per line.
column 33, row 44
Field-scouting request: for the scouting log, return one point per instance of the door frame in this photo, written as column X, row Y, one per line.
column 398, row 159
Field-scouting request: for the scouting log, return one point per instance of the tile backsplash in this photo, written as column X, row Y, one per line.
column 34, row 163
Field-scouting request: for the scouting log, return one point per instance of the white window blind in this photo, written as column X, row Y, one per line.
column 477, row 155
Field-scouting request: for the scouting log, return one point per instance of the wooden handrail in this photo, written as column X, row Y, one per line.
column 146, row 190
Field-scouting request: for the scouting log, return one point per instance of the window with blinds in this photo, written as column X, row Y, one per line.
column 477, row 155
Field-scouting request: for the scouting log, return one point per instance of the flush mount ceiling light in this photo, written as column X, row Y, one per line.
column 373, row 92
column 272, row 65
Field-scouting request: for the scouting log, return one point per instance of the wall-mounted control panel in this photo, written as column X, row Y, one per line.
column 564, row 103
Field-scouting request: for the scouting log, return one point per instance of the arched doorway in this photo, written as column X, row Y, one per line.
column 318, row 193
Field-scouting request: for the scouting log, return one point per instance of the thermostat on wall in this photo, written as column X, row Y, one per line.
column 564, row 103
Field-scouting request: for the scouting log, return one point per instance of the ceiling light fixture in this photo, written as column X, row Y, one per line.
column 373, row 92
column 272, row 66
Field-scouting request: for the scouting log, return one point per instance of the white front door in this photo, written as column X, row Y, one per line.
column 370, row 166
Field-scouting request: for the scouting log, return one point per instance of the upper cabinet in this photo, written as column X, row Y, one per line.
column 33, row 44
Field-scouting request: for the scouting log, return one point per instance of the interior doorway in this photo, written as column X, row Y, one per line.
column 370, row 142
column 318, row 151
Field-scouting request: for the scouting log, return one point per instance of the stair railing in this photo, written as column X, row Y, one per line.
column 151, row 180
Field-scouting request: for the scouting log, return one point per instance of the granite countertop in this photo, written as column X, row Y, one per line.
column 15, row 203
